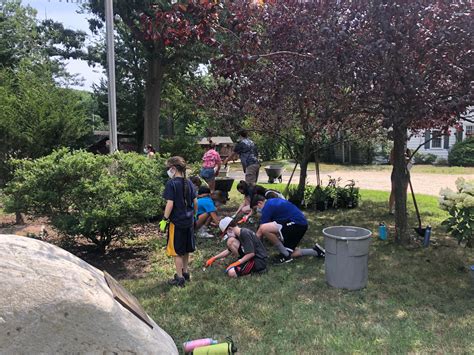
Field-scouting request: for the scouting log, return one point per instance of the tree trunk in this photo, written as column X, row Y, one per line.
column 19, row 218
column 170, row 126
column 153, row 85
column 400, row 185
column 306, row 155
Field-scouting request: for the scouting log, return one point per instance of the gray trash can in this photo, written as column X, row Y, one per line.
column 347, row 253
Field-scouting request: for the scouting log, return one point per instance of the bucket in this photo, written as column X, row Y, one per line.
column 347, row 255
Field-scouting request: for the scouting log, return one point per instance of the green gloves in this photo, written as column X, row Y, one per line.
column 163, row 224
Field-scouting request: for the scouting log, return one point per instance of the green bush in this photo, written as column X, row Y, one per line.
column 421, row 158
column 460, row 206
column 462, row 153
column 96, row 196
column 441, row 162
column 184, row 146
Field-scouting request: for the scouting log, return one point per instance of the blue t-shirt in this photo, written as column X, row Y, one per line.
column 182, row 214
column 282, row 211
column 205, row 205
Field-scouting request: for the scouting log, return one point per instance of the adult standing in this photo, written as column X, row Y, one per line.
column 246, row 149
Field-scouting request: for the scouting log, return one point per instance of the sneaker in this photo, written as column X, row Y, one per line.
column 320, row 250
column 203, row 234
column 187, row 276
column 281, row 259
column 177, row 281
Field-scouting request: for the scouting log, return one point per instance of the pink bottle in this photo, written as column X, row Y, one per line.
column 193, row 344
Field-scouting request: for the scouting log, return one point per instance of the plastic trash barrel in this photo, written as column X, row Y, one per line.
column 347, row 256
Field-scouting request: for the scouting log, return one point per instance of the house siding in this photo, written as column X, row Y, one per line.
column 441, row 152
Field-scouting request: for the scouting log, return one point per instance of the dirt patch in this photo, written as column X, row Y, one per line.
column 126, row 259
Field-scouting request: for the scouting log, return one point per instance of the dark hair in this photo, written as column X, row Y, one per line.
column 211, row 144
column 196, row 180
column 259, row 190
column 271, row 194
column 150, row 148
column 243, row 133
column 218, row 196
column 204, row 190
column 232, row 223
column 256, row 199
column 242, row 185
column 180, row 164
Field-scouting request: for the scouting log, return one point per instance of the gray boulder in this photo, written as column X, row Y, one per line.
column 53, row 302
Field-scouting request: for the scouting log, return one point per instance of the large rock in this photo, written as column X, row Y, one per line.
column 52, row 301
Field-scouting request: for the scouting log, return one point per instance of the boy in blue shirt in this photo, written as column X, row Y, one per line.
column 284, row 225
column 207, row 211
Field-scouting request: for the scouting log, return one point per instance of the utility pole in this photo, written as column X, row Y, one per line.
column 109, row 27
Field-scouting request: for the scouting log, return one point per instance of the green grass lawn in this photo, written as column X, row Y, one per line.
column 328, row 168
column 417, row 300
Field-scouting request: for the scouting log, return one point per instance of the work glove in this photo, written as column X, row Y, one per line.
column 244, row 219
column 210, row 261
column 163, row 224
column 231, row 266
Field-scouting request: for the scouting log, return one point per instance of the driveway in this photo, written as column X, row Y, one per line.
column 429, row 184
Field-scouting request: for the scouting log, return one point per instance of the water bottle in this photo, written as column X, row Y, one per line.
column 426, row 239
column 382, row 231
column 193, row 344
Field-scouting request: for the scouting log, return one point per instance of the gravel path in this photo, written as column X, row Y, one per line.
column 429, row 184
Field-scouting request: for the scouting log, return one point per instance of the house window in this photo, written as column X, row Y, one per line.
column 469, row 131
column 436, row 142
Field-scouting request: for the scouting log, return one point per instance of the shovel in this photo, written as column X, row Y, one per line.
column 419, row 230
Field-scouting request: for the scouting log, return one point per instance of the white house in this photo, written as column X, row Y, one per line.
column 441, row 144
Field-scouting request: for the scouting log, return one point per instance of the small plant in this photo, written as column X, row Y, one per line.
column 332, row 196
column 460, row 206
column 353, row 195
column 294, row 197
column 420, row 158
column 332, row 192
column 320, row 198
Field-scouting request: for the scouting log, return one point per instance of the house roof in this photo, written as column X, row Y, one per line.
column 216, row 140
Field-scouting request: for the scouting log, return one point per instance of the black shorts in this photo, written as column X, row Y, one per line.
column 180, row 240
column 292, row 234
column 253, row 265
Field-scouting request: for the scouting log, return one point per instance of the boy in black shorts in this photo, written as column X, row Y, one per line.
column 181, row 207
column 284, row 225
column 243, row 244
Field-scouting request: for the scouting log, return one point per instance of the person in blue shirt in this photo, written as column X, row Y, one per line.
column 207, row 211
column 284, row 225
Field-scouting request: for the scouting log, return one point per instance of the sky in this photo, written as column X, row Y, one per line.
column 66, row 12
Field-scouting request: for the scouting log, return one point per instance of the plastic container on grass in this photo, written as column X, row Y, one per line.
column 471, row 268
column 347, row 255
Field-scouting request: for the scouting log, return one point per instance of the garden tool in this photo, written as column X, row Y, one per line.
column 419, row 230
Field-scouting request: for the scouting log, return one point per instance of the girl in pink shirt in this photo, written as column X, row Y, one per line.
column 211, row 164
